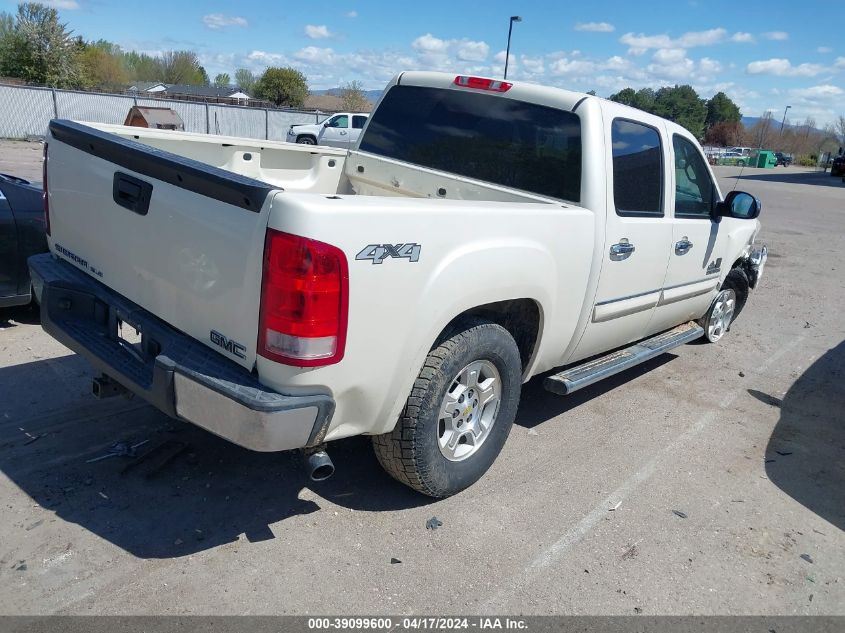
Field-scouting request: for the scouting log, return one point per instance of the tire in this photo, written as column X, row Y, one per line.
column 306, row 140
column 412, row 452
column 726, row 306
column 737, row 280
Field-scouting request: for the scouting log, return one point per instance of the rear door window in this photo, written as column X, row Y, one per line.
column 358, row 122
column 637, row 169
column 486, row 137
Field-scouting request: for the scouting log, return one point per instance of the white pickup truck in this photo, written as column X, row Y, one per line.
column 480, row 233
column 341, row 130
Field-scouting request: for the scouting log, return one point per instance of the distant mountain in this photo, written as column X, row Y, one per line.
column 751, row 121
column 372, row 95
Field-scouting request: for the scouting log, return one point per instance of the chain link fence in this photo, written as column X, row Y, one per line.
column 25, row 112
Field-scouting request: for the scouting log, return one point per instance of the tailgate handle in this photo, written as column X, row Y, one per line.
column 132, row 193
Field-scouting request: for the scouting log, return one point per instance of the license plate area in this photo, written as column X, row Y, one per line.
column 133, row 339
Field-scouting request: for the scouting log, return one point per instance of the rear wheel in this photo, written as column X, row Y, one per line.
column 459, row 414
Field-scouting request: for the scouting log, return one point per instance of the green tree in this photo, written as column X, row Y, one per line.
column 182, row 67
column 682, row 105
column 353, row 98
column 222, row 80
column 626, row 96
column 102, row 69
column 283, row 87
column 143, row 67
column 720, row 109
column 642, row 99
column 38, row 48
column 245, row 80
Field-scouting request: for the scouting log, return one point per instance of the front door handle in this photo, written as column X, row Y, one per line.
column 683, row 246
column 622, row 249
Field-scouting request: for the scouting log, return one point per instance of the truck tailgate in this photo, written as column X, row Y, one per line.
column 182, row 239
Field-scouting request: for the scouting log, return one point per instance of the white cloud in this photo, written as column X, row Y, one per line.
column 818, row 92
column 595, row 27
column 320, row 32
column 473, row 51
column 69, row 5
column 824, row 49
column 783, row 68
column 776, row 35
column 839, row 63
column 315, row 55
column 217, row 21
column 351, row 14
column 668, row 56
column 437, row 53
column 709, row 66
column 702, row 38
column 640, row 43
column 742, row 37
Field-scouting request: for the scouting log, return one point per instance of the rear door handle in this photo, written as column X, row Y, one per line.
column 622, row 249
column 683, row 246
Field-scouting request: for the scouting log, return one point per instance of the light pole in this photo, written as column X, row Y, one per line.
column 514, row 18
column 783, row 120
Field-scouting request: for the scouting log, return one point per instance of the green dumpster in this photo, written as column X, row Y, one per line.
column 766, row 159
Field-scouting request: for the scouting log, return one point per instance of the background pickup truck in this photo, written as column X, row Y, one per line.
column 480, row 233
column 341, row 130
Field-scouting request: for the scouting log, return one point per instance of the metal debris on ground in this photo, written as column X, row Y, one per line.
column 678, row 513
column 433, row 523
column 631, row 552
column 742, row 374
column 31, row 439
column 118, row 449
column 533, row 432
column 157, row 457
column 783, row 453
column 395, row 561
column 614, row 508
column 807, row 325
column 807, row 558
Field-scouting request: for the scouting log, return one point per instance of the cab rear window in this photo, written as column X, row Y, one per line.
column 490, row 138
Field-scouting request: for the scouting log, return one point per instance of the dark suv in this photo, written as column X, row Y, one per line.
column 837, row 167
column 783, row 159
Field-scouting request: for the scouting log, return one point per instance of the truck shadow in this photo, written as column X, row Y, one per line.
column 210, row 492
column 10, row 317
column 804, row 456
column 795, row 178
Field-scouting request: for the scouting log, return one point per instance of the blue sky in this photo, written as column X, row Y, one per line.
column 765, row 55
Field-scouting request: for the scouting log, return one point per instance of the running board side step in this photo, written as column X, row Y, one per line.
column 580, row 376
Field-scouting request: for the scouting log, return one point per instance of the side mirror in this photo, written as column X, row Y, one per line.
column 739, row 205
column 326, row 124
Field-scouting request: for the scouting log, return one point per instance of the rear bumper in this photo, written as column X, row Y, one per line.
column 172, row 371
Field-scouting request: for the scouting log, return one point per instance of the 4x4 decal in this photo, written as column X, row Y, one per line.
column 377, row 253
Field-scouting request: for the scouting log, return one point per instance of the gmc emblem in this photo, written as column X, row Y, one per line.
column 236, row 349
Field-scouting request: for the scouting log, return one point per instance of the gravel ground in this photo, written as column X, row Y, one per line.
column 709, row 481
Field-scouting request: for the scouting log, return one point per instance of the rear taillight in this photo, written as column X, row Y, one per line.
column 45, row 197
column 482, row 83
column 304, row 301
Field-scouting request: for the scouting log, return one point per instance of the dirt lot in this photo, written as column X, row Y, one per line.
column 711, row 480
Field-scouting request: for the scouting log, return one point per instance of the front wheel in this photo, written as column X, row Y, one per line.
column 718, row 319
column 306, row 140
column 459, row 413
